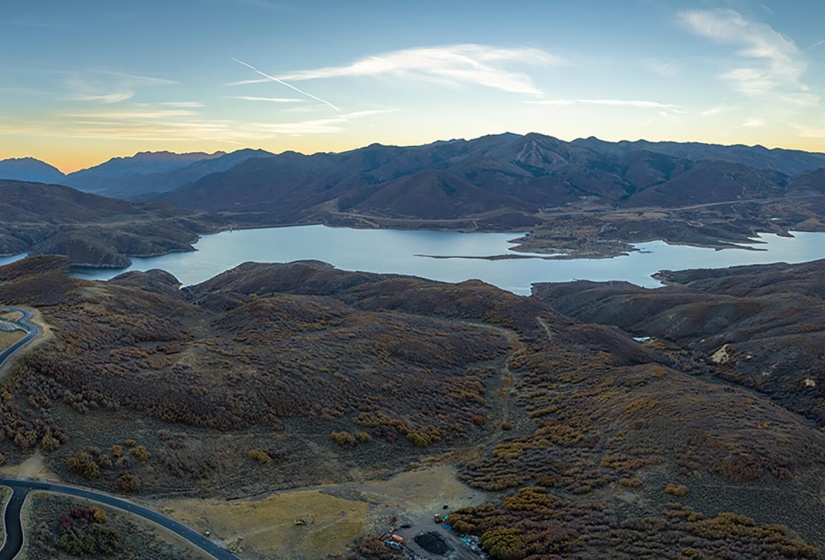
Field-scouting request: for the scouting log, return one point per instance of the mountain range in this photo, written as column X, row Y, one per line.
column 523, row 171
column 128, row 177
column 601, row 191
column 493, row 182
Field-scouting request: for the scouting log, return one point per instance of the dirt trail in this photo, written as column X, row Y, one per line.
column 546, row 328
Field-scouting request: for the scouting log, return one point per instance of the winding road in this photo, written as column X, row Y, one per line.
column 33, row 330
column 21, row 487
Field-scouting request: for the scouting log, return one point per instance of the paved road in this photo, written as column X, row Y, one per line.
column 11, row 519
column 33, row 330
column 14, row 532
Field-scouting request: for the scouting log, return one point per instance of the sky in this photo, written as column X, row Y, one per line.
column 85, row 81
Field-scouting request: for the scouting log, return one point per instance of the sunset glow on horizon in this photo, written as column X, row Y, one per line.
column 81, row 83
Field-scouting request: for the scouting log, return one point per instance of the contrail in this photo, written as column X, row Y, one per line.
column 283, row 83
column 815, row 45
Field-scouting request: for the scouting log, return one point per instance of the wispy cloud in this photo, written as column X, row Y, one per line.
column 754, row 122
column 138, row 112
column 135, row 78
column 32, row 23
column 665, row 68
column 714, row 111
column 107, row 98
column 768, row 62
column 160, row 122
column 468, row 64
column 108, row 87
column 184, row 104
column 317, row 126
column 283, row 83
column 638, row 104
column 268, row 99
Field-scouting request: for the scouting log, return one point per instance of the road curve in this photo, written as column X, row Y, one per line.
column 21, row 487
column 32, row 329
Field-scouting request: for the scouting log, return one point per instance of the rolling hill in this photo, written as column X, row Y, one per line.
column 30, row 169
column 91, row 230
column 583, row 442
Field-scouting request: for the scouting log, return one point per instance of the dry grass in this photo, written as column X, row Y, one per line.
column 142, row 539
column 33, row 467
column 264, row 528
column 9, row 338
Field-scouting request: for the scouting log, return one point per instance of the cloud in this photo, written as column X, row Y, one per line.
column 107, row 98
column 269, row 99
column 185, row 104
column 135, row 78
column 610, row 103
column 317, row 126
column 753, row 122
column 32, row 23
column 283, row 83
column 133, row 113
column 467, row 64
column 664, row 68
column 715, row 111
column 768, row 60
column 108, row 87
column 160, row 122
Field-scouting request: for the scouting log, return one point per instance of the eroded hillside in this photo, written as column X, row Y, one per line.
column 587, row 443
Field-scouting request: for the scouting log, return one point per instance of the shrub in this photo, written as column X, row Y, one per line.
column 260, row 455
column 343, row 438
column 83, row 464
column 678, row 490
column 128, row 483
column 141, row 453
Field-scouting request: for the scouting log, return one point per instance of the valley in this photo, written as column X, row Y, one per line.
column 579, row 420
column 585, row 198
column 272, row 382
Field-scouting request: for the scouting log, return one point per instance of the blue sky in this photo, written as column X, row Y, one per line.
column 85, row 81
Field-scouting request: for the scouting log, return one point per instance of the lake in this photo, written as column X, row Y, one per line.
column 403, row 252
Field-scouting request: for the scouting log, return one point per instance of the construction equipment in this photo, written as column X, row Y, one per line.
column 305, row 519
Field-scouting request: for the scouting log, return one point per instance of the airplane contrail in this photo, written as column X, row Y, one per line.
column 283, row 83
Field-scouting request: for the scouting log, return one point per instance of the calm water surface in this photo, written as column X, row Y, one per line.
column 404, row 252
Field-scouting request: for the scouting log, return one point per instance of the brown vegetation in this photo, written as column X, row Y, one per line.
column 274, row 376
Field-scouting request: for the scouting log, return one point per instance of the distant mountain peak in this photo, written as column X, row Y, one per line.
column 30, row 169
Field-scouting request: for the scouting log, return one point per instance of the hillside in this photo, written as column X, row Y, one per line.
column 757, row 326
column 30, row 169
column 590, row 191
column 91, row 230
column 117, row 174
column 789, row 162
column 583, row 198
column 584, row 442
column 154, row 172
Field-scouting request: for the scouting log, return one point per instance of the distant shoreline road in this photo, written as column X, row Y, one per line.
column 21, row 487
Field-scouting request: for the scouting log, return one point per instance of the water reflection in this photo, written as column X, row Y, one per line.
column 402, row 252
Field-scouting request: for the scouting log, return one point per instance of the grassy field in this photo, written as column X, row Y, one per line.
column 9, row 338
column 265, row 528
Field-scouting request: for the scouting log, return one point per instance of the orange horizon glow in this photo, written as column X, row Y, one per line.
column 75, row 159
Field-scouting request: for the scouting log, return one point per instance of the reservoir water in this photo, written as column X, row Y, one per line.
column 412, row 252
